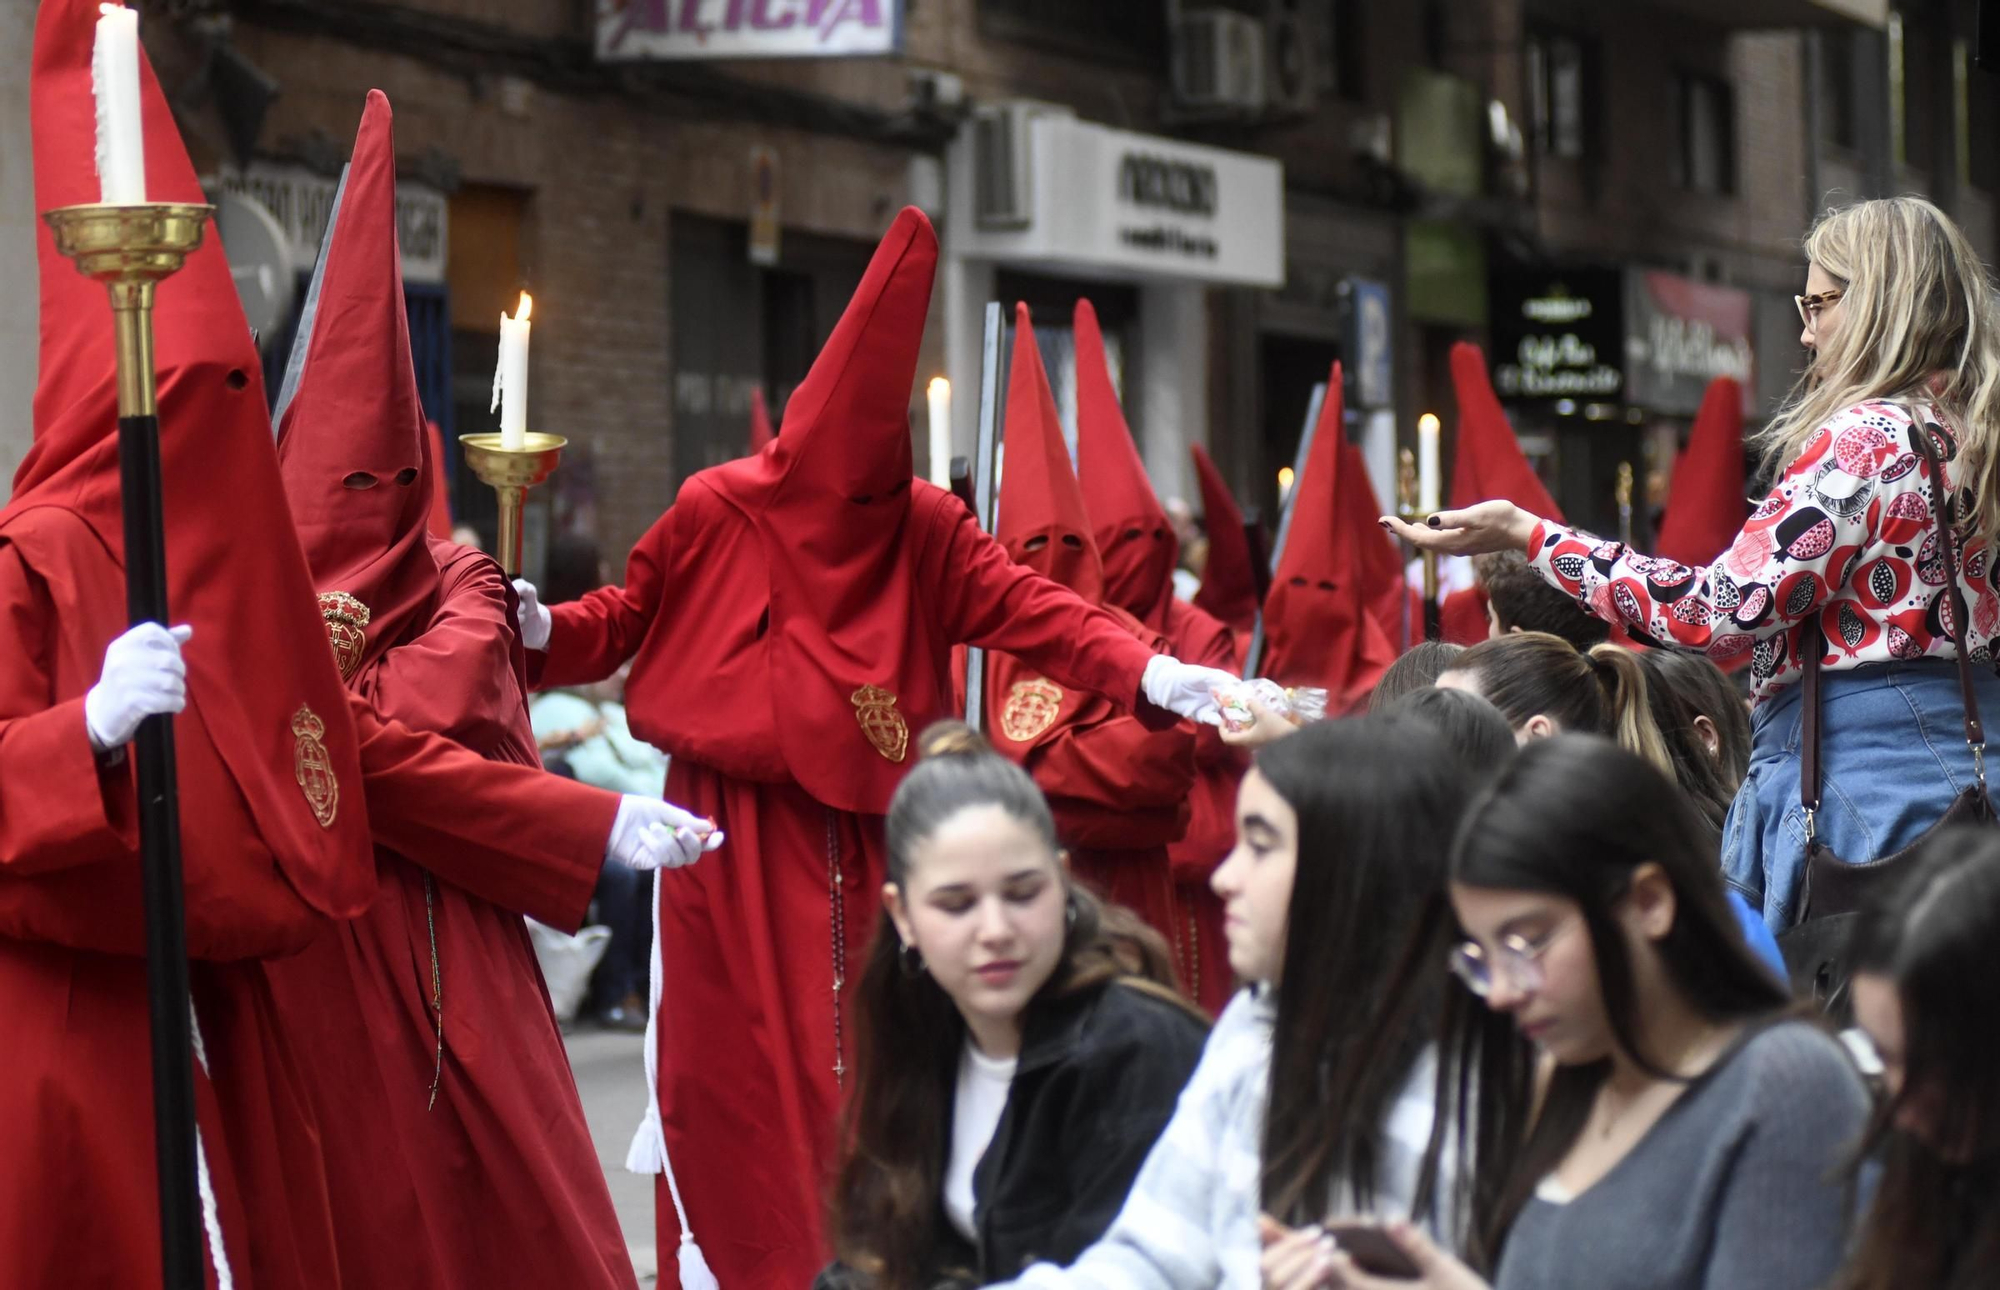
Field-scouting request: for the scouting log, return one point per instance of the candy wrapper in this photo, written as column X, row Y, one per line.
column 1297, row 704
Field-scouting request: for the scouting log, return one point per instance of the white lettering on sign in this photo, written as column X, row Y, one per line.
column 638, row 29
column 1556, row 310
column 1690, row 347
column 1555, row 367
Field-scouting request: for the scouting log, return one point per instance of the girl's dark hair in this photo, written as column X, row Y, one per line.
column 1681, row 687
column 1473, row 727
column 908, row 1034
column 1601, row 691
column 1364, row 962
column 1936, row 1222
column 1419, row 666
column 1575, row 816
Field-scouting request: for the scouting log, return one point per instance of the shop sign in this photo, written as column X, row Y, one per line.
column 1373, row 374
column 1106, row 200
column 1682, row 334
column 301, row 200
column 1558, row 334
column 630, row 30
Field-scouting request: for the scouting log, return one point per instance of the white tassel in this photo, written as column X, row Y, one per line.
column 693, row 1267
column 648, row 1153
column 211, row 1216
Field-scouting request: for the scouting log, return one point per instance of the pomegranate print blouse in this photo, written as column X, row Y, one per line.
column 1846, row 540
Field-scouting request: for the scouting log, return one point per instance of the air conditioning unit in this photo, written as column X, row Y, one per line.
column 1291, row 56
column 1218, row 61
column 1002, row 162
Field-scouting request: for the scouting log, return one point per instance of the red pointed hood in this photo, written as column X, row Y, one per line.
column 234, row 569
column 1378, row 562
column 1705, row 505
column 351, row 440
column 1318, row 623
column 1228, row 581
column 1133, row 533
column 761, row 432
column 440, row 521
column 1489, row 462
column 830, row 505
column 1043, row 523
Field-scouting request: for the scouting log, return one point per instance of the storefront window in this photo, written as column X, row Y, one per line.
column 1708, row 135
column 1559, row 86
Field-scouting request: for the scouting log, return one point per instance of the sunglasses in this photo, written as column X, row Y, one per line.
column 1809, row 306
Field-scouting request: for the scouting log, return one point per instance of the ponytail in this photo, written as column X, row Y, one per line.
column 1619, row 671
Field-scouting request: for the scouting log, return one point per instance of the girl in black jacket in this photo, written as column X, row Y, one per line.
column 1018, row 1046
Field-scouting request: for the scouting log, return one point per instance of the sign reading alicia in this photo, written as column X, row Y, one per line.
column 642, row 29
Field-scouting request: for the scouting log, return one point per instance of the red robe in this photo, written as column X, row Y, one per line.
column 754, row 941
column 497, row 1183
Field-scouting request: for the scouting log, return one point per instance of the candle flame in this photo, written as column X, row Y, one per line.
column 939, row 385
column 521, row 310
column 1428, row 423
column 1285, row 477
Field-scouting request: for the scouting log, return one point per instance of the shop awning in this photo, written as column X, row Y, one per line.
column 1761, row 15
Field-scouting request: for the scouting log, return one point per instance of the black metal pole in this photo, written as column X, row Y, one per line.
column 160, row 868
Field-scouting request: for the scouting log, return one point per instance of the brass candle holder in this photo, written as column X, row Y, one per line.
column 1621, row 492
column 130, row 248
column 510, row 473
column 1406, row 510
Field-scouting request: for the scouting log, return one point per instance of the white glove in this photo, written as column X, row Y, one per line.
column 652, row 834
column 143, row 676
column 1186, row 689
column 533, row 616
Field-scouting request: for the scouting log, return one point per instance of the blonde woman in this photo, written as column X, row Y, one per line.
column 1842, row 557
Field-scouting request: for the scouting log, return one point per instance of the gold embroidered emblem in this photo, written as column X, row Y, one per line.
column 875, row 709
column 1032, row 707
column 346, row 621
column 313, row 767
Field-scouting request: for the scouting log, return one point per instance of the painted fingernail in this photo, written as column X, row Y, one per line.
column 1434, row 522
column 1383, row 523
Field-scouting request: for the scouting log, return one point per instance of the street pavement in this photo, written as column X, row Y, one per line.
column 611, row 1078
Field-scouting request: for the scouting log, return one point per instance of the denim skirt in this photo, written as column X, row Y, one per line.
column 1892, row 757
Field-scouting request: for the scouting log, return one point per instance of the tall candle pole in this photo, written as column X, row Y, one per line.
column 130, row 246
column 516, row 459
column 1409, row 498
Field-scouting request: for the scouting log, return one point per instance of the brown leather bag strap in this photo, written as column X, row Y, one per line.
column 1812, row 642
column 1975, row 730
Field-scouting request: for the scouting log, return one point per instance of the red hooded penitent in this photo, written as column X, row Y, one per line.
column 1229, row 582
column 1319, row 626
column 1705, row 504
column 423, row 631
column 790, row 622
column 1119, row 790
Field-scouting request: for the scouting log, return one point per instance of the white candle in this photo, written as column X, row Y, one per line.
column 1429, row 478
column 510, row 378
column 114, row 81
column 939, row 394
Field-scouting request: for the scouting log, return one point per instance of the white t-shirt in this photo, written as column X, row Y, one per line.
column 975, row 1112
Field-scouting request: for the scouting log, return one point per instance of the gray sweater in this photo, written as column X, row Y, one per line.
column 1737, row 1187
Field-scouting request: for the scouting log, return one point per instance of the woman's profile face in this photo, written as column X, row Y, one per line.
column 1825, row 319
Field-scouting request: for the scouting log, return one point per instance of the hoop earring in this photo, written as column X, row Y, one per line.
column 911, row 960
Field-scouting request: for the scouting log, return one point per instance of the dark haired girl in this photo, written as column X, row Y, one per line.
column 1926, row 993
column 1016, row 1056
column 1689, row 1136
column 1315, row 1093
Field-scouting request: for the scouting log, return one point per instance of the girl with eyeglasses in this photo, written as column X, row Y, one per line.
column 1639, row 1110
column 1842, row 561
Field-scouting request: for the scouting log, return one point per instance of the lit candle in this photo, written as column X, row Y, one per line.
column 510, row 378
column 939, row 393
column 114, row 81
column 1285, row 477
column 1429, row 477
